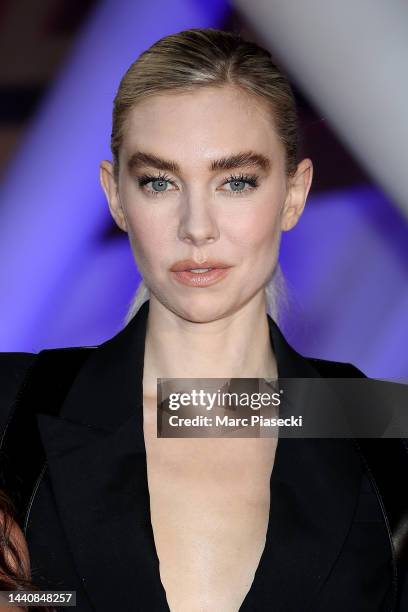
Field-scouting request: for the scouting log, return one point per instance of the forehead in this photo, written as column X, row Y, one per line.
column 201, row 124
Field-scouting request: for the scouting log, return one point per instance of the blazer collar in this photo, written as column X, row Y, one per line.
column 114, row 372
column 97, row 465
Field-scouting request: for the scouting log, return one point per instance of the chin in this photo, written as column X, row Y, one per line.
column 202, row 309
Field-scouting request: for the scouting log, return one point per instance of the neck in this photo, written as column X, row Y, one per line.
column 234, row 346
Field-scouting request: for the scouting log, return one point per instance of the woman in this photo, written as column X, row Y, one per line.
column 204, row 179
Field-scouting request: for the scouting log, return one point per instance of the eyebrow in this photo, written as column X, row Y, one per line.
column 231, row 162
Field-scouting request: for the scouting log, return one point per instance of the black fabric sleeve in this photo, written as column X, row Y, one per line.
column 336, row 369
column 13, row 367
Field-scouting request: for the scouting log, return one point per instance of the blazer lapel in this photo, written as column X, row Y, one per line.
column 97, row 464
column 315, row 486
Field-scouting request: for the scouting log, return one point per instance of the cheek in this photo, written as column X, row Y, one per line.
column 147, row 236
column 256, row 229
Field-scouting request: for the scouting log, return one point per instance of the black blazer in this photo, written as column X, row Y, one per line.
column 327, row 548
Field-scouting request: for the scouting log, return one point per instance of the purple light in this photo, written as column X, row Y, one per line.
column 62, row 284
column 347, row 264
column 52, row 210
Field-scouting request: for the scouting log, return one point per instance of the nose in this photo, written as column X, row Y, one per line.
column 197, row 224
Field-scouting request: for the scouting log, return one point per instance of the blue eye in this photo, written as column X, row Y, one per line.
column 238, row 183
column 161, row 185
column 235, row 185
column 159, row 181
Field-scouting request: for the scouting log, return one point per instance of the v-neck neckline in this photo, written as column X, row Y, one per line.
column 251, row 598
column 246, row 605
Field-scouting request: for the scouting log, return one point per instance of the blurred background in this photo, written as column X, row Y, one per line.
column 67, row 274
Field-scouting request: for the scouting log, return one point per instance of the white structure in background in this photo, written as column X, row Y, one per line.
column 351, row 58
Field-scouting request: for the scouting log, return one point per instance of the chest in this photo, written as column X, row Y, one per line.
column 209, row 505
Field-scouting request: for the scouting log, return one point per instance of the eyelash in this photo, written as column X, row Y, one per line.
column 251, row 180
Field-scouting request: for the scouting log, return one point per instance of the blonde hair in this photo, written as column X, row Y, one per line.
column 202, row 57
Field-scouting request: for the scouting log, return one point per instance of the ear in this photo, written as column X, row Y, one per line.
column 110, row 187
column 298, row 189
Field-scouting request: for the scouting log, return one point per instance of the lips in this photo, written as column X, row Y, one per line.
column 201, row 280
column 190, row 264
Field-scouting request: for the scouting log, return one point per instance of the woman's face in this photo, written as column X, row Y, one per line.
column 201, row 177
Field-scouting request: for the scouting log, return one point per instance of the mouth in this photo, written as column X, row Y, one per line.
column 191, row 275
column 191, row 265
